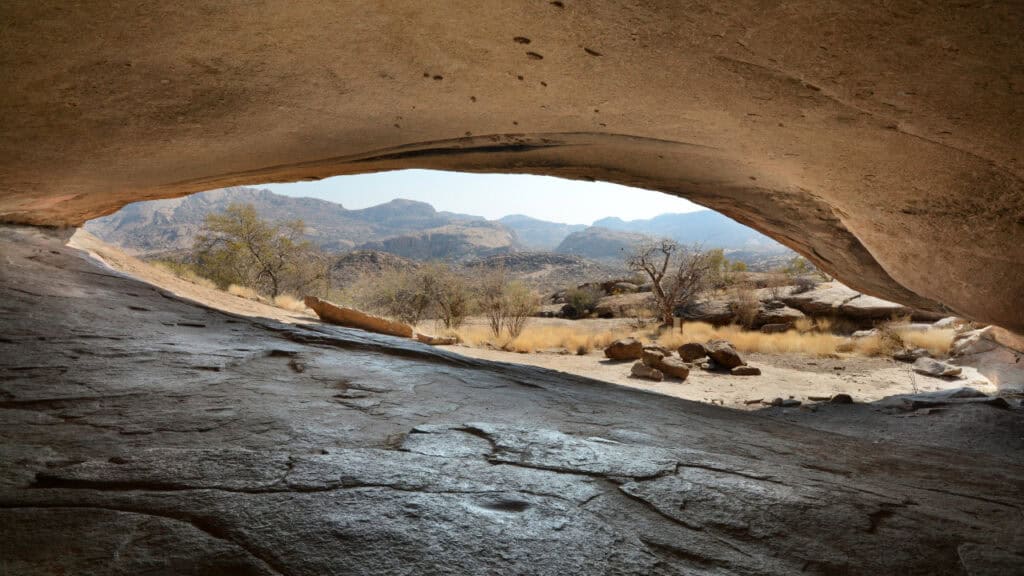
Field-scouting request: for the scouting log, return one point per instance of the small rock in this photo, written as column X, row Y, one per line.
column 931, row 367
column 757, row 401
column 674, row 367
column 658, row 348
column 724, row 354
column 745, row 371
column 641, row 370
column 774, row 328
column 948, row 322
column 864, row 333
column 787, row 403
column 908, row 355
column 652, row 357
column 819, row 398
column 842, row 399
column 692, row 351
column 625, row 349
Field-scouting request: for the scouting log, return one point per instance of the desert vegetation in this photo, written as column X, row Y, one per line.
column 493, row 306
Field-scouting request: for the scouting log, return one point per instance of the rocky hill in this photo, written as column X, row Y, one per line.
column 537, row 234
column 350, row 266
column 449, row 242
column 549, row 272
column 170, row 225
column 600, row 243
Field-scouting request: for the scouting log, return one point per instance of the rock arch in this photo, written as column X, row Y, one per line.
column 884, row 144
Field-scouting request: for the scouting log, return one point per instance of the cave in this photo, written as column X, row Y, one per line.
column 142, row 433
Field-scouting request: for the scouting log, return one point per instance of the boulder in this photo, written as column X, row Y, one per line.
column 692, row 351
column 774, row 328
column 352, row 318
column 641, row 370
column 724, row 354
column 842, row 399
column 652, row 357
column 932, row 367
column 996, row 354
column 835, row 299
column 745, row 371
column 665, row 351
column 625, row 349
column 777, row 313
column 673, row 367
column 623, row 288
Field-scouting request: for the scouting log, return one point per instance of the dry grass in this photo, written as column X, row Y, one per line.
column 791, row 342
column 243, row 292
column 814, row 338
column 578, row 340
column 184, row 272
column 890, row 339
column 290, row 302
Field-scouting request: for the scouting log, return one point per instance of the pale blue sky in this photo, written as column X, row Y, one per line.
column 493, row 195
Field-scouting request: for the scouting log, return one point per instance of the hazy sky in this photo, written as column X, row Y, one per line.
column 493, row 195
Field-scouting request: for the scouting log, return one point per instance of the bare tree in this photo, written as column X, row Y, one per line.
column 507, row 304
column 679, row 274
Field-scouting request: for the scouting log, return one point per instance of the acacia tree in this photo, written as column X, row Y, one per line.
column 238, row 247
column 679, row 274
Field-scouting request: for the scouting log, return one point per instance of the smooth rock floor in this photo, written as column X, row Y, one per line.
column 143, row 434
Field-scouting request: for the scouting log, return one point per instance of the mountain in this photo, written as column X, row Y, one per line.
column 537, row 234
column 449, row 242
column 600, row 243
column 705, row 227
column 172, row 225
column 415, row 230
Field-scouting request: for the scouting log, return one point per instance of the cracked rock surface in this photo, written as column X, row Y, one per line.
column 143, row 434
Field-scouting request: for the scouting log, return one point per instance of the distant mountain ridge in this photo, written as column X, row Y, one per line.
column 412, row 229
column 705, row 227
column 169, row 225
column 537, row 234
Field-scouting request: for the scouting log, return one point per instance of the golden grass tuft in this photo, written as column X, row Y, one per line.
column 891, row 338
column 577, row 340
column 243, row 292
column 290, row 302
column 791, row 342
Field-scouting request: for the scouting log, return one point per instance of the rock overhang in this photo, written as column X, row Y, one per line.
column 884, row 146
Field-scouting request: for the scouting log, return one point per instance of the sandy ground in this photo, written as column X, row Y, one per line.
column 783, row 376
column 790, row 376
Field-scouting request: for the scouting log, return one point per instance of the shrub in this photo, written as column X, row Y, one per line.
column 583, row 300
column 519, row 303
column 744, row 305
column 803, row 284
column 448, row 292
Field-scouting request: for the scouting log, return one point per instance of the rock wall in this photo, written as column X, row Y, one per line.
column 881, row 142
